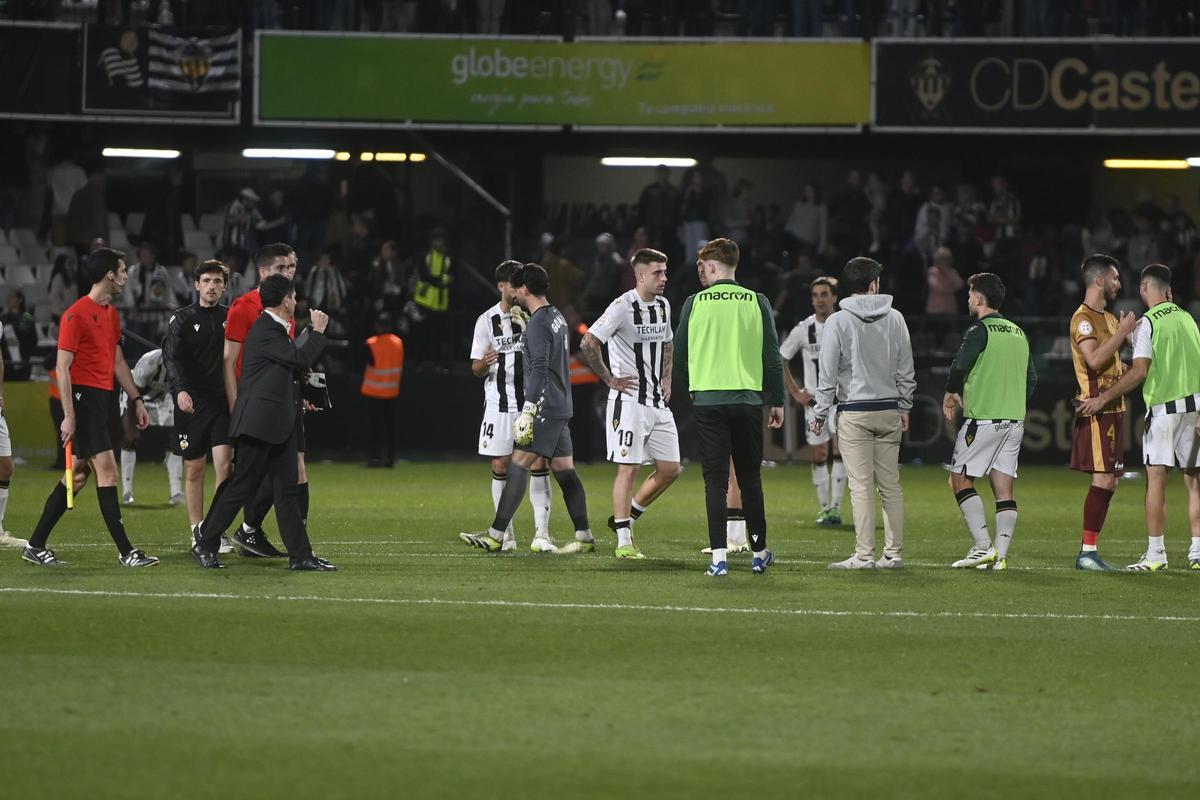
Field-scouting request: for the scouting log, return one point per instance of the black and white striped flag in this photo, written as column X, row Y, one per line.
column 194, row 65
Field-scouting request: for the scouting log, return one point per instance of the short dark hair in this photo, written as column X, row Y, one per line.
column 725, row 251
column 274, row 289
column 825, row 280
column 267, row 254
column 648, row 255
column 209, row 266
column 859, row 273
column 1096, row 266
column 103, row 261
column 990, row 286
column 505, row 270
column 1159, row 273
column 533, row 277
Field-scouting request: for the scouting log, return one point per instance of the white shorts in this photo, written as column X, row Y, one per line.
column 639, row 434
column 495, row 433
column 1171, row 441
column 5, row 441
column 984, row 446
column 828, row 430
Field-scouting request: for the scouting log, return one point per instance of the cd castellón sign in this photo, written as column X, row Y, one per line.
column 1037, row 85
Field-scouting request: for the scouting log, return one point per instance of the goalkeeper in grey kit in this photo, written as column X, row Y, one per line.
column 543, row 427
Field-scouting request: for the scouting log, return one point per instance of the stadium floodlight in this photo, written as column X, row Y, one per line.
column 288, row 152
column 416, row 158
column 391, row 156
column 1146, row 163
column 1194, row 161
column 366, row 156
column 137, row 152
column 342, row 156
column 647, row 161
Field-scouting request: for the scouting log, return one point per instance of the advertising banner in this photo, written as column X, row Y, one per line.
column 1040, row 86
column 38, row 63
column 395, row 80
column 184, row 75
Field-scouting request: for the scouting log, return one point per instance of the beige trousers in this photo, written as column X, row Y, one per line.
column 870, row 443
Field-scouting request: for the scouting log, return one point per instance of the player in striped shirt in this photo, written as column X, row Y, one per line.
column 805, row 341
column 496, row 357
column 150, row 375
column 636, row 327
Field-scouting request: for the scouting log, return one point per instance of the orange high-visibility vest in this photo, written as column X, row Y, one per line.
column 382, row 378
column 581, row 373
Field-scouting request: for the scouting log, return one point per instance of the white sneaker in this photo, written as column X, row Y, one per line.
column 577, row 546
column 1148, row 563
column 8, row 540
column 542, row 544
column 177, row 499
column 226, row 546
column 508, row 544
column 885, row 562
column 129, row 498
column 975, row 557
column 854, row 562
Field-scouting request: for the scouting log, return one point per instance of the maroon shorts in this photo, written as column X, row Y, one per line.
column 1098, row 444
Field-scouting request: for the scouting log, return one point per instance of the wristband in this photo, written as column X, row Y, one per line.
column 138, row 399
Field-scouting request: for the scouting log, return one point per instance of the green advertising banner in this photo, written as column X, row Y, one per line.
column 400, row 79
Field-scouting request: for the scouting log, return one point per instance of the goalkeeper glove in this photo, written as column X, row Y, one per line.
column 523, row 427
column 519, row 314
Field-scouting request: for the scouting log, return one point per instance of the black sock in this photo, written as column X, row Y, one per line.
column 302, row 500
column 574, row 496
column 735, row 515
column 111, row 511
column 635, row 512
column 56, row 506
column 511, row 497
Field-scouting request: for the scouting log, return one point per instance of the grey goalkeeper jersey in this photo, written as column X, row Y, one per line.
column 547, row 365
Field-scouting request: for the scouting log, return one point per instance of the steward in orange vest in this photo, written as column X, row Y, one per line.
column 381, row 387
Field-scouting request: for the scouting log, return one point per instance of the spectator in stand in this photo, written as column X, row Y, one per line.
column 966, row 204
column 65, row 179
column 658, row 208
column 238, row 236
column 936, row 202
column 915, row 259
column 968, row 250
column 388, row 281
column 1004, row 213
column 276, row 225
column 432, row 297
column 944, row 284
column 16, row 316
column 491, row 12
column 326, row 289
column 1143, row 245
column 163, row 223
column 794, row 299
column 359, row 249
column 877, row 192
column 149, row 286
column 851, row 217
column 739, row 212
column 87, row 216
column 809, row 221
column 639, row 241
column 62, row 290
column 565, row 277
column 311, row 206
column 902, row 209
column 610, row 276
column 695, row 211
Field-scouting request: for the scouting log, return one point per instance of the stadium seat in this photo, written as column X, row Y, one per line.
column 187, row 222
column 8, row 254
column 213, row 223
column 25, row 238
column 47, row 334
column 36, row 294
column 197, row 241
column 41, row 312
column 33, row 253
column 133, row 223
column 55, row 252
column 114, row 222
column 19, row 275
column 176, row 274
column 42, row 272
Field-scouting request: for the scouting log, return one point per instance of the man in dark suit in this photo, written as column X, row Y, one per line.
column 264, row 427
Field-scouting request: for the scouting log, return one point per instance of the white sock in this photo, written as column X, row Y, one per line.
column 248, row 528
column 128, row 462
column 175, row 473
column 820, row 479
column 735, row 531
column 972, row 511
column 1193, row 551
column 539, row 498
column 495, row 534
column 1157, row 550
column 1006, row 523
column 4, row 505
column 584, row 536
column 718, row 555
column 838, row 488
column 624, row 533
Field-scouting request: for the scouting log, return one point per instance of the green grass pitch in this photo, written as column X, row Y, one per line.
column 426, row 669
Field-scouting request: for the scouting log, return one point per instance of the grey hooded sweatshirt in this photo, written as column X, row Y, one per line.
column 866, row 352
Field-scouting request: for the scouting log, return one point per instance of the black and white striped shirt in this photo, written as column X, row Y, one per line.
column 505, row 386
column 636, row 333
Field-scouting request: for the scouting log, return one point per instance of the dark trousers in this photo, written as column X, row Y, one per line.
column 382, row 415
column 721, row 432
column 254, row 461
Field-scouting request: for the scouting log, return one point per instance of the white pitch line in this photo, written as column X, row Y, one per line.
column 434, row 601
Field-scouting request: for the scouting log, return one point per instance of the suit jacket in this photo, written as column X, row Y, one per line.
column 268, row 393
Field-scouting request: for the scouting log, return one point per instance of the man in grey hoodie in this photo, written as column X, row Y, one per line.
column 866, row 356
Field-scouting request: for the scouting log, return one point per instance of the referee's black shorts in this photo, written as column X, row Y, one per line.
column 301, row 439
column 97, row 421
column 202, row 430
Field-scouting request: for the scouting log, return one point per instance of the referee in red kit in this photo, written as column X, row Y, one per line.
column 89, row 355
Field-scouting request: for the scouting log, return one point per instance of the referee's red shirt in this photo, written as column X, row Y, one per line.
column 92, row 332
column 242, row 315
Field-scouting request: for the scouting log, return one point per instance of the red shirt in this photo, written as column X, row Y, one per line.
column 92, row 332
column 244, row 312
